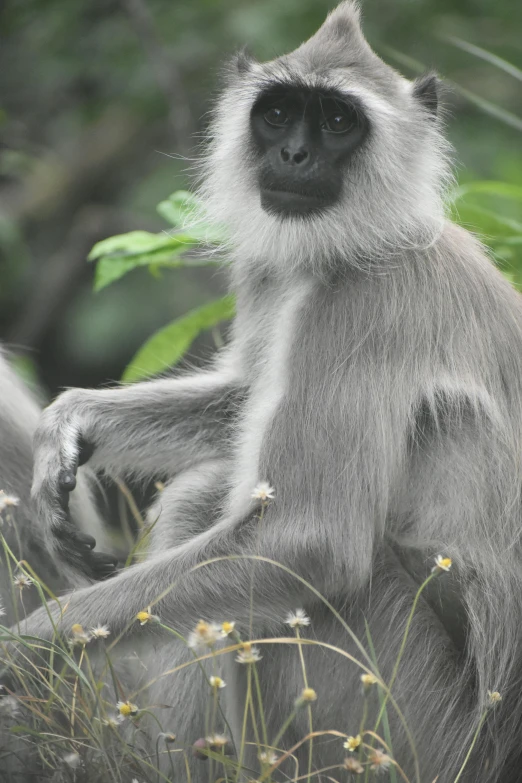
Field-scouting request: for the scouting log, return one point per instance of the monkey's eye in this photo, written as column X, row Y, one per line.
column 276, row 117
column 337, row 123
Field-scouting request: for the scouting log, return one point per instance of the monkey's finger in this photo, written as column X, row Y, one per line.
column 67, row 480
column 84, row 540
column 103, row 565
column 74, row 539
column 102, row 559
column 67, row 477
column 66, row 484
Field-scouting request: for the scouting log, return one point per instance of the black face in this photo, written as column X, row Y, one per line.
column 303, row 140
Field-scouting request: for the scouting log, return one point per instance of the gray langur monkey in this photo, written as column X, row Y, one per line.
column 19, row 415
column 374, row 379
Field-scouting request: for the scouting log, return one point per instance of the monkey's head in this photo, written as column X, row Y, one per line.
column 326, row 154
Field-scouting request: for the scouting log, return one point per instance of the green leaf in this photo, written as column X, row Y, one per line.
column 490, row 188
column 183, row 210
column 489, row 224
column 118, row 255
column 179, row 208
column 169, row 344
column 112, row 268
column 135, row 242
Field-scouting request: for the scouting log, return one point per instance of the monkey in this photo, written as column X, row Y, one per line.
column 373, row 379
column 25, row 550
column 19, row 414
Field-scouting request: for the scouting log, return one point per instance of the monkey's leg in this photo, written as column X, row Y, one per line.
column 189, row 504
column 182, row 703
column 462, row 500
column 156, row 428
column 433, row 689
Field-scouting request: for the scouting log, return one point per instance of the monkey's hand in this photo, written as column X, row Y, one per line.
column 61, row 445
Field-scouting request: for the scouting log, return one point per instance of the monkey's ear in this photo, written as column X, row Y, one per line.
column 426, row 91
column 345, row 20
column 242, row 62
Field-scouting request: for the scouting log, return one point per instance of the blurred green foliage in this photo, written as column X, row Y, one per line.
column 100, row 103
column 119, row 255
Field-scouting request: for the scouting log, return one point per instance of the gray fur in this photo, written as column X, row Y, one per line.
column 374, row 379
column 19, row 414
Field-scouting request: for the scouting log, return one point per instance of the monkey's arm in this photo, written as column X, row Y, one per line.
column 147, row 429
column 217, row 591
column 321, row 525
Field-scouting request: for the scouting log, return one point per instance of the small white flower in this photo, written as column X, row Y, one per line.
column 249, row 654
column 352, row 743
column 308, row 695
column 297, row 619
column 127, row 709
column 267, row 757
column 216, row 741
column 72, row 760
column 100, row 632
column 2, row 611
column 79, row 636
column 204, row 635
column 352, row 765
column 217, row 682
column 368, row 680
column 227, row 628
column 146, row 616
column 263, row 491
column 493, row 698
column 379, row 761
column 441, row 564
column 22, row 581
column 8, row 501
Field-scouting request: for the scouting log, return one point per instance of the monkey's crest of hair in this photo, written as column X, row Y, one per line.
column 394, row 186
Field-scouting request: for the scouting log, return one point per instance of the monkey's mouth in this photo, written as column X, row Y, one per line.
column 289, row 203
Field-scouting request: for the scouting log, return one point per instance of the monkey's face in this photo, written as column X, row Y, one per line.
column 324, row 156
column 302, row 142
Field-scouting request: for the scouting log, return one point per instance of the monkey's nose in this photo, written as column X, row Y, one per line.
column 294, row 156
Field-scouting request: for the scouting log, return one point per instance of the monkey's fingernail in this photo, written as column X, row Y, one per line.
column 67, row 481
column 85, row 540
column 102, row 564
